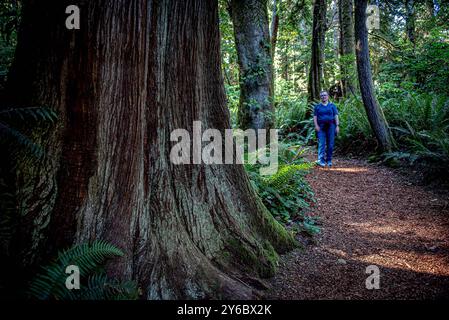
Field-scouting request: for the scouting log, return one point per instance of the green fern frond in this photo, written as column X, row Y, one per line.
column 88, row 258
column 11, row 136
column 97, row 289
column 284, row 175
column 38, row 114
column 100, row 287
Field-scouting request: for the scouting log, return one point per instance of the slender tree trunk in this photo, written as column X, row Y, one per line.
column 305, row 44
column 373, row 110
column 316, row 71
column 431, row 7
column 410, row 20
column 347, row 49
column 285, row 61
column 252, row 38
column 330, row 73
column 274, row 27
column 134, row 72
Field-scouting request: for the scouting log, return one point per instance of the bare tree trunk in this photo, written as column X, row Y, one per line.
column 316, row 71
column 252, row 38
column 285, row 61
column 134, row 72
column 373, row 110
column 347, row 49
column 274, row 27
column 330, row 73
column 431, row 7
column 304, row 43
column 410, row 20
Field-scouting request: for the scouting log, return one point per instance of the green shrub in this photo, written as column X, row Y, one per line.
column 355, row 131
column 287, row 194
column 419, row 123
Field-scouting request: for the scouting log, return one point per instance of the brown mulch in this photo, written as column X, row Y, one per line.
column 370, row 215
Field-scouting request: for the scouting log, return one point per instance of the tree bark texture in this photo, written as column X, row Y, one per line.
column 347, row 48
column 274, row 27
column 252, row 39
column 373, row 110
column 410, row 20
column 316, row 71
column 135, row 71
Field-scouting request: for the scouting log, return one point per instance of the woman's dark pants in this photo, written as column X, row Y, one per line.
column 326, row 138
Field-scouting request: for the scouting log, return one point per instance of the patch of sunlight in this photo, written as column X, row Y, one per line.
column 398, row 229
column 364, row 225
column 406, row 260
column 336, row 252
column 386, row 229
column 350, row 170
column 410, row 261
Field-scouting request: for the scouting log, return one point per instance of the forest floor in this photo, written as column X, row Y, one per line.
column 370, row 215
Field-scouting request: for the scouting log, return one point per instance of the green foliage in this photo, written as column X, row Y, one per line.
column 90, row 259
column 233, row 95
column 354, row 126
column 419, row 123
column 9, row 20
column 423, row 68
column 286, row 194
column 6, row 57
column 13, row 123
column 290, row 115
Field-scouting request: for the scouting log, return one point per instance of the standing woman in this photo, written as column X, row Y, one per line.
column 325, row 118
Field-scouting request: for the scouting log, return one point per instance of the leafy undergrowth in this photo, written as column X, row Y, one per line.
column 287, row 194
column 419, row 124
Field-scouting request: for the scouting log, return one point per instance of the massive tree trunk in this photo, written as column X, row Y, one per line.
column 134, row 72
column 252, row 38
column 316, row 71
column 373, row 110
column 410, row 20
column 347, row 49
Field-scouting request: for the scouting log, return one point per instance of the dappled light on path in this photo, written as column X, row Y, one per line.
column 371, row 215
column 351, row 170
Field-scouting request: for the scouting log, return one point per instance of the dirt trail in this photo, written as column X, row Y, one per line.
column 370, row 215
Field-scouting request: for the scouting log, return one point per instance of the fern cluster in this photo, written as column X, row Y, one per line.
column 15, row 122
column 419, row 123
column 287, row 194
column 421, row 127
column 95, row 285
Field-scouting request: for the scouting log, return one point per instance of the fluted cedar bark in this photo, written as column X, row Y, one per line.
column 373, row 110
column 252, row 39
column 135, row 71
